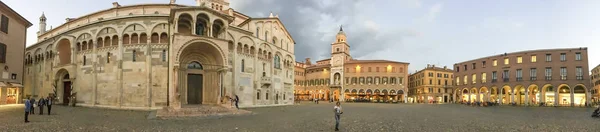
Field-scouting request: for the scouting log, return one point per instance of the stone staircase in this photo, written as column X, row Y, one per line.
column 199, row 111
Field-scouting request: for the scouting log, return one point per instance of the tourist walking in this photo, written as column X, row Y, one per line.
column 27, row 109
column 337, row 109
column 237, row 100
column 41, row 104
column 49, row 104
column 32, row 101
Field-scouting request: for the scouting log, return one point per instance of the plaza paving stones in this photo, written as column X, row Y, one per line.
column 306, row 117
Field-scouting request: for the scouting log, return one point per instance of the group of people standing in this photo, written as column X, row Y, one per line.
column 30, row 105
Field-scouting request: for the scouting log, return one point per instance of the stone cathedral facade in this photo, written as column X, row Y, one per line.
column 151, row 56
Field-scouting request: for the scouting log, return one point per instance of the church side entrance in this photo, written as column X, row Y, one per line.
column 194, row 91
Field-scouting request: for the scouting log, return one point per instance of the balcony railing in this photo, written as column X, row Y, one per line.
column 563, row 77
column 532, row 78
column 548, row 78
column 265, row 80
column 579, row 77
column 519, row 79
column 494, row 80
column 506, row 79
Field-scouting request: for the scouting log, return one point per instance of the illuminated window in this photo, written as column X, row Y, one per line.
column 533, row 58
column 457, row 80
column 495, row 62
column 483, row 77
column 506, row 61
column 519, row 59
column 474, row 79
column 465, row 80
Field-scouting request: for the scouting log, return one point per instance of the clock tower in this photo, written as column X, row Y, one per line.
column 340, row 50
column 340, row 53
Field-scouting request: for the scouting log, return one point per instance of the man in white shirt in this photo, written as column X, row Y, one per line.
column 337, row 109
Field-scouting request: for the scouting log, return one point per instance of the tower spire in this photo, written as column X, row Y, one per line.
column 42, row 28
column 341, row 29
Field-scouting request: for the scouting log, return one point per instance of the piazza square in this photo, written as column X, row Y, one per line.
column 308, row 116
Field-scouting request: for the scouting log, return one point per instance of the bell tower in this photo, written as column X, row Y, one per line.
column 340, row 50
column 340, row 53
column 42, row 29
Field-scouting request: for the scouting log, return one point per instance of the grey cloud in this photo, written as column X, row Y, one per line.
column 314, row 23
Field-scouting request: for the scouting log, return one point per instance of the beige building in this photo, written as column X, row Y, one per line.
column 595, row 77
column 13, row 29
column 431, row 85
column 558, row 78
column 151, row 56
column 343, row 78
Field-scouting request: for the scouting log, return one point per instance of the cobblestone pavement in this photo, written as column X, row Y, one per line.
column 358, row 117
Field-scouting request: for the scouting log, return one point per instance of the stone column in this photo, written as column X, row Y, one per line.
column 176, row 21
column 500, row 97
column 527, row 96
column 556, row 97
column 512, row 96
column 209, row 30
column 148, row 73
column 94, row 73
column 478, row 96
column 173, row 90
column 542, row 96
column 572, row 97
column 119, row 62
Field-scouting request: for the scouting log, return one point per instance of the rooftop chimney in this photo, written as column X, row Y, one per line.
column 428, row 65
column 445, row 67
column 116, row 4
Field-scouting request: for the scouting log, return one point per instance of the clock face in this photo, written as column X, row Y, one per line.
column 337, row 60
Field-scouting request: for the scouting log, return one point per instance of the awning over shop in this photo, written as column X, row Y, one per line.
column 16, row 85
column 2, row 84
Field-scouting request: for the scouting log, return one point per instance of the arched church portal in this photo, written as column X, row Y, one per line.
column 200, row 74
column 63, row 86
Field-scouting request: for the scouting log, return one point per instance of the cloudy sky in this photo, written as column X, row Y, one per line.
column 420, row 32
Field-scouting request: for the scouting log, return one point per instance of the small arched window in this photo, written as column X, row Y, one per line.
column 243, row 65
column 164, row 55
column 84, row 62
column 195, row 65
column 276, row 62
column 133, row 56
column 108, row 57
column 266, row 34
column 258, row 95
column 257, row 29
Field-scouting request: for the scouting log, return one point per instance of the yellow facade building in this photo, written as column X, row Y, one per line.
column 431, row 85
column 342, row 78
